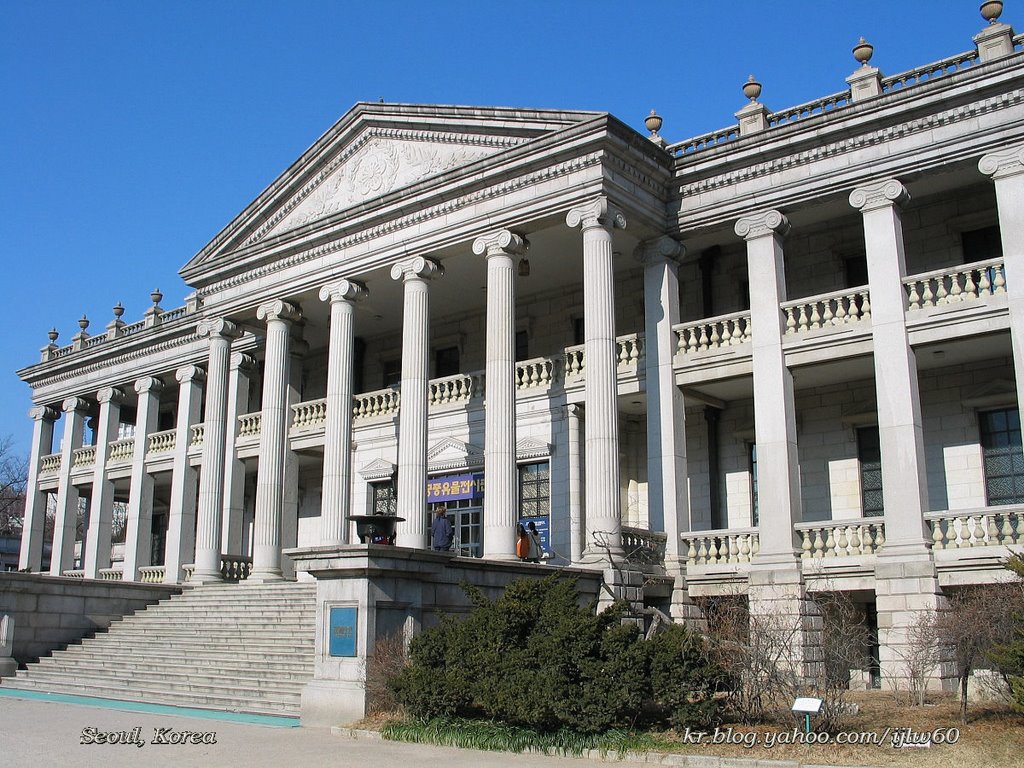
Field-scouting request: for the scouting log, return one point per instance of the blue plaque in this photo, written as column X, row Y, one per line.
column 343, row 631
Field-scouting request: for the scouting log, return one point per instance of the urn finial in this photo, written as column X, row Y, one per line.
column 653, row 122
column 752, row 88
column 991, row 10
column 863, row 51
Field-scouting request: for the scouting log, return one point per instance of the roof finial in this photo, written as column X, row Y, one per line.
column 991, row 10
column 752, row 88
column 863, row 51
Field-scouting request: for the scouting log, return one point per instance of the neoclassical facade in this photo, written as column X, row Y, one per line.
column 779, row 357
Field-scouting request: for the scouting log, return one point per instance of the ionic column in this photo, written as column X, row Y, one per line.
column 266, row 555
column 211, row 477
column 900, row 432
column 31, row 556
column 412, row 416
column 1007, row 171
column 101, row 505
column 778, row 468
column 240, row 369
column 668, row 500
column 138, row 539
column 181, row 518
column 62, row 556
column 577, row 521
column 603, row 513
column 500, row 513
column 337, row 483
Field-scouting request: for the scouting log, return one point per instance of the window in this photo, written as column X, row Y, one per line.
column 578, row 331
column 392, row 373
column 869, row 454
column 1004, row 460
column 383, row 498
column 981, row 244
column 534, row 489
column 446, row 362
column 856, row 269
column 522, row 346
column 754, row 519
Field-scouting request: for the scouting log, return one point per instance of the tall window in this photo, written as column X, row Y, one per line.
column 534, row 489
column 383, row 498
column 869, row 453
column 752, row 455
column 1004, row 459
column 522, row 346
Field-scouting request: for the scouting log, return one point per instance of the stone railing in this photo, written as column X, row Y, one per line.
column 964, row 283
column 705, row 141
column 235, row 567
column 382, row 402
column 73, row 574
column 737, row 545
column 49, row 464
column 173, row 314
column 310, row 414
column 198, row 431
column 827, row 310
column 713, row 333
column 455, row 389
column 574, row 360
column 841, row 538
column 110, row 574
column 93, row 341
column 161, row 442
column 945, row 66
column 809, row 109
column 122, row 450
column 629, row 351
column 989, row 527
column 151, row 574
column 539, row 372
column 131, row 328
column 643, row 548
column 249, row 424
column 83, row 457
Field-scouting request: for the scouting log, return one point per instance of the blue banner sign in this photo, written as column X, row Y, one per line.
column 343, row 631
column 542, row 529
column 453, row 488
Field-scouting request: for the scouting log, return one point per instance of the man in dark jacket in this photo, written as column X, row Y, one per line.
column 441, row 532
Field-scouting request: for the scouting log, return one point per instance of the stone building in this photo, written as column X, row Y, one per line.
column 778, row 357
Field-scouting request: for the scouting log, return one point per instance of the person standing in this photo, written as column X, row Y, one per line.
column 441, row 532
column 536, row 550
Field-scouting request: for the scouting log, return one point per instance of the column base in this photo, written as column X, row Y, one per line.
column 205, row 577
column 265, row 577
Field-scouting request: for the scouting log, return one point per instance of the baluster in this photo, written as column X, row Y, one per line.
column 819, row 543
column 937, row 535
column 716, row 339
column 867, row 542
column 942, row 294
column 805, row 544
column 955, row 294
column 691, row 553
column 928, row 298
column 843, row 543
column 1006, row 531
column 854, row 306
column 713, row 550
column 854, row 536
column 755, row 546
column 702, row 340
column 992, row 537
column 829, row 317
column 865, row 306
column 702, row 552
column 984, row 284
column 979, row 533
column 1020, row 528
column 914, row 298
column 970, row 286
column 744, row 548
column 727, row 333
column 734, row 550
column 815, row 320
column 841, row 310
column 879, row 536
column 1000, row 280
column 830, row 544
column 791, row 320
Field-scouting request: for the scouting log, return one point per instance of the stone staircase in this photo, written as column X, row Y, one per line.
column 234, row 647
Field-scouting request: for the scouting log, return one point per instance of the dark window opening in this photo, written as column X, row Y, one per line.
column 446, row 362
column 982, row 244
column 856, row 269
column 578, row 331
column 392, row 373
column 869, row 454
column 754, row 517
column 1002, row 455
column 522, row 346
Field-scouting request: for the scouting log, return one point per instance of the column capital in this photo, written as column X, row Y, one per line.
column 242, row 361
column 343, row 290
column 74, row 404
column 501, row 242
column 218, row 326
column 576, row 410
column 189, row 373
column 596, row 213
column 1005, row 162
column 276, row 309
column 869, row 197
column 659, row 250
column 110, row 395
column 416, row 267
column 148, row 384
column 761, row 224
column 41, row 412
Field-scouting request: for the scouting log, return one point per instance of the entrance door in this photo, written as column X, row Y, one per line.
column 467, row 519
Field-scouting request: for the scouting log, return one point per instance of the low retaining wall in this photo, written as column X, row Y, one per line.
column 51, row 612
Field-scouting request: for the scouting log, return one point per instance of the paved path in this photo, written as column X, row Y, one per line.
column 39, row 733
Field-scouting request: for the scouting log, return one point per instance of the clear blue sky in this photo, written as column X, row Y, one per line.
column 131, row 132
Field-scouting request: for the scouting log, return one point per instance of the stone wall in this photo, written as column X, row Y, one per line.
column 52, row 612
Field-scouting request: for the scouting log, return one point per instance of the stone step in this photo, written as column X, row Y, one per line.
column 281, row 668
column 216, row 655
column 242, row 617
column 171, row 678
column 220, row 633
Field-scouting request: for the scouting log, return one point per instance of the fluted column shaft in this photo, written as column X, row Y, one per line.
column 577, row 520
column 412, row 416
column 778, row 467
column 31, row 555
column 62, row 556
column 211, row 477
column 337, row 482
column 1007, row 171
column 101, row 504
column 181, row 518
column 900, row 426
column 604, row 520
column 500, row 513
column 266, row 555
column 138, row 536
column 241, row 366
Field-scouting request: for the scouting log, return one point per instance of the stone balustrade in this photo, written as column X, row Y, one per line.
column 644, row 549
column 173, row 314
column 83, row 457
column 574, row 362
column 122, row 450
column 382, row 402
column 809, row 109
column 713, row 333
column 456, row 389
column 918, row 75
column 950, row 286
column 162, row 442
column 311, row 414
column 235, row 567
column 539, row 372
column 989, row 527
column 630, row 351
column 827, row 310
column 198, row 431
column 151, row 574
column 841, row 538
column 93, row 341
column 249, row 424
column 50, row 464
column 110, row 574
column 73, row 574
column 705, row 141
column 132, row 328
column 738, row 545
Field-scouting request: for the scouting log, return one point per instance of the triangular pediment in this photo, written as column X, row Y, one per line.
column 451, row 453
column 532, row 448
column 378, row 469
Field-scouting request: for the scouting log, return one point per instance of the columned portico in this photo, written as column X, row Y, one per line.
column 211, row 478
column 412, row 421
column 337, row 491
column 778, row 478
column 1007, row 171
column 62, row 556
column 900, row 430
column 31, row 555
column 270, row 483
column 603, row 513
column 101, row 504
column 500, row 512
column 181, row 521
column 241, row 367
column 137, row 549
column 667, row 495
